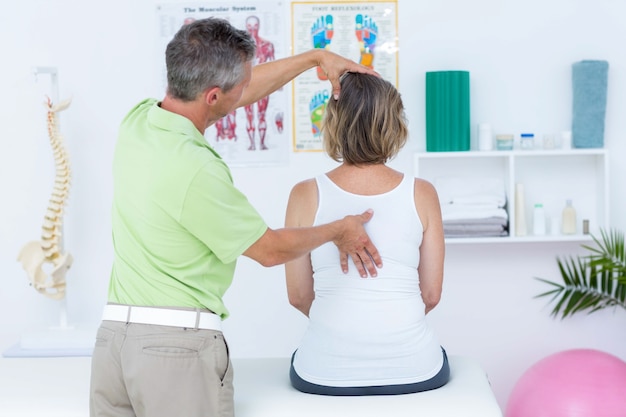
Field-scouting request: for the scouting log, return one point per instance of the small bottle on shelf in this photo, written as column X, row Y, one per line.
column 527, row 141
column 586, row 227
column 566, row 139
column 485, row 137
column 504, row 142
column 568, row 223
column 539, row 220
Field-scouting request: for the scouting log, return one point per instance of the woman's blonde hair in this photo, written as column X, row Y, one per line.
column 366, row 125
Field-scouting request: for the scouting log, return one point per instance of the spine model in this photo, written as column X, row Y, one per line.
column 49, row 250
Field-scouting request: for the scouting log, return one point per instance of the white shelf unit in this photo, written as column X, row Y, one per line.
column 549, row 177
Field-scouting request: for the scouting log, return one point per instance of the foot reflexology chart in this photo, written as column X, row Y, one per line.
column 364, row 31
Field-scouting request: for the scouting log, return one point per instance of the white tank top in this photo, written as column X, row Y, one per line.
column 369, row 331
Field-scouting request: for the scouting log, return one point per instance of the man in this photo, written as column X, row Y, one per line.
column 179, row 225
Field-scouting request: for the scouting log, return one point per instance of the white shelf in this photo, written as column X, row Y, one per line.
column 550, row 177
column 520, row 239
column 513, row 153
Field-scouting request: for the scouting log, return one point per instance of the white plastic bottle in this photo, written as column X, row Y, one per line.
column 539, row 220
column 485, row 137
column 568, row 222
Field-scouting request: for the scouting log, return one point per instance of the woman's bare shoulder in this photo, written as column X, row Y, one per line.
column 427, row 202
column 304, row 189
column 302, row 204
column 424, row 188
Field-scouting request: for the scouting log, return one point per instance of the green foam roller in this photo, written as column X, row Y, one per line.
column 447, row 111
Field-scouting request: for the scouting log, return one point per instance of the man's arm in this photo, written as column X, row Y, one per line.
column 278, row 246
column 270, row 76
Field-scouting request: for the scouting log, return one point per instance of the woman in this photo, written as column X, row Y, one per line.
column 368, row 336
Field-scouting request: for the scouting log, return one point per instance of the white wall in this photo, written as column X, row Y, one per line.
column 519, row 55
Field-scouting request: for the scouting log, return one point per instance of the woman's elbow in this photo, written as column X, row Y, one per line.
column 301, row 302
column 431, row 300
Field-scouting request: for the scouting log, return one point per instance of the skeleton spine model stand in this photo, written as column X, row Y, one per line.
column 49, row 250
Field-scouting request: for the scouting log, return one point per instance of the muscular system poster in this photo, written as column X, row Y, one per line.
column 255, row 134
column 364, row 31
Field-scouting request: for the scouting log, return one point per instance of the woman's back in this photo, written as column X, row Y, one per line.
column 369, row 331
column 368, row 336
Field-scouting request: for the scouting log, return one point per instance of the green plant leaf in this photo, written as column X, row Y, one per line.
column 592, row 282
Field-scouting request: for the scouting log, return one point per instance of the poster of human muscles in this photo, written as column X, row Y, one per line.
column 254, row 134
column 364, row 31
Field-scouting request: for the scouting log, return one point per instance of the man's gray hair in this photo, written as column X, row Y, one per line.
column 204, row 54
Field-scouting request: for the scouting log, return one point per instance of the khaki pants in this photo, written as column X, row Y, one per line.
column 141, row 370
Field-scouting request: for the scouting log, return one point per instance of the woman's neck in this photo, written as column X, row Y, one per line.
column 365, row 179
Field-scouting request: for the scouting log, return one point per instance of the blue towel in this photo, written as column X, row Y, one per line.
column 589, row 80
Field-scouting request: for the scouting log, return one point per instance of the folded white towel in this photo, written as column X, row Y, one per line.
column 480, row 199
column 464, row 211
column 487, row 221
column 471, row 190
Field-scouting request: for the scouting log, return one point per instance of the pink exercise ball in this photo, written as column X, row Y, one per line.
column 572, row 383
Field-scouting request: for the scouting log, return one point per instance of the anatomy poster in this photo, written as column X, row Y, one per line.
column 255, row 134
column 364, row 31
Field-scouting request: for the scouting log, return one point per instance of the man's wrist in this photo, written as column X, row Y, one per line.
column 338, row 228
column 317, row 55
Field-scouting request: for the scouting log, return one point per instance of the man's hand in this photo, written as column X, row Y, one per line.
column 334, row 66
column 355, row 242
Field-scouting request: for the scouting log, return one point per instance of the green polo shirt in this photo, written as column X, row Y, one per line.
column 179, row 223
